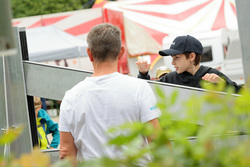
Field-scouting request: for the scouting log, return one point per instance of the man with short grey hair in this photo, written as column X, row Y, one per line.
column 104, row 100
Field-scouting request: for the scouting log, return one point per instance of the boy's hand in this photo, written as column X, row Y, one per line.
column 213, row 78
column 143, row 66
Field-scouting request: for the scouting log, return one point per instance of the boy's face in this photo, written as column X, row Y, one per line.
column 181, row 63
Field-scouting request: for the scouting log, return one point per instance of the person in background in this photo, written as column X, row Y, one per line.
column 44, row 105
column 45, row 126
column 186, row 52
column 104, row 100
column 162, row 71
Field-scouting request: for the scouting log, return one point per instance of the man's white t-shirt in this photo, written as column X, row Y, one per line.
column 96, row 104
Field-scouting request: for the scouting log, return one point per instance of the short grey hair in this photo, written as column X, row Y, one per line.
column 104, row 42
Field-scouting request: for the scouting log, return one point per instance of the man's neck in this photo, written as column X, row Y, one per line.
column 104, row 68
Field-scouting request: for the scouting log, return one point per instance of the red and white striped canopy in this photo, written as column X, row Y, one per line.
column 144, row 23
column 147, row 22
column 77, row 23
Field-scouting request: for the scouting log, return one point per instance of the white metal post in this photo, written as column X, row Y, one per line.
column 242, row 8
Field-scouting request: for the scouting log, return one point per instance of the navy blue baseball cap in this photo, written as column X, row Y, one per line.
column 182, row 44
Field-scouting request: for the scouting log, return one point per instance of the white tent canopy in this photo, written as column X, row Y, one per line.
column 49, row 43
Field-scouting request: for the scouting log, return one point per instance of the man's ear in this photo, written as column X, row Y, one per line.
column 90, row 55
column 121, row 52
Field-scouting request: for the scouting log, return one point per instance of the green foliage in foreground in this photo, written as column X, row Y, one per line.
column 207, row 130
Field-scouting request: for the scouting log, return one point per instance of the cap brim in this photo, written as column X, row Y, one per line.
column 169, row 52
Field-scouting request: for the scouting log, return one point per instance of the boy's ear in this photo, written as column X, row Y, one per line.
column 192, row 56
column 90, row 55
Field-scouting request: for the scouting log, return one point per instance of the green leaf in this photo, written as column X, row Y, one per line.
column 159, row 92
column 11, row 135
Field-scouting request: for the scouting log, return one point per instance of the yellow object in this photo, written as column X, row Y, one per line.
column 41, row 128
column 155, row 61
column 36, row 158
column 98, row 1
column 162, row 70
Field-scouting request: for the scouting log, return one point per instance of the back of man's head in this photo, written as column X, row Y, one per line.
column 104, row 42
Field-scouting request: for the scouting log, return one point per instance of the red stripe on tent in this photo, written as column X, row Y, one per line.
column 84, row 27
column 116, row 18
column 157, row 35
column 47, row 21
column 220, row 21
column 153, row 57
column 233, row 7
column 37, row 24
column 16, row 23
column 162, row 2
column 179, row 17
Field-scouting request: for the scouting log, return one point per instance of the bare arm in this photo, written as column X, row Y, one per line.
column 67, row 146
column 156, row 125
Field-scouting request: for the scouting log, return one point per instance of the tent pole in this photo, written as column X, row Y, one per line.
column 242, row 8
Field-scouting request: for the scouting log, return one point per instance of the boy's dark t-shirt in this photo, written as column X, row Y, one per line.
column 188, row 79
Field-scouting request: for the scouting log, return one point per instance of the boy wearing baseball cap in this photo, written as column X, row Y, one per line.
column 186, row 52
